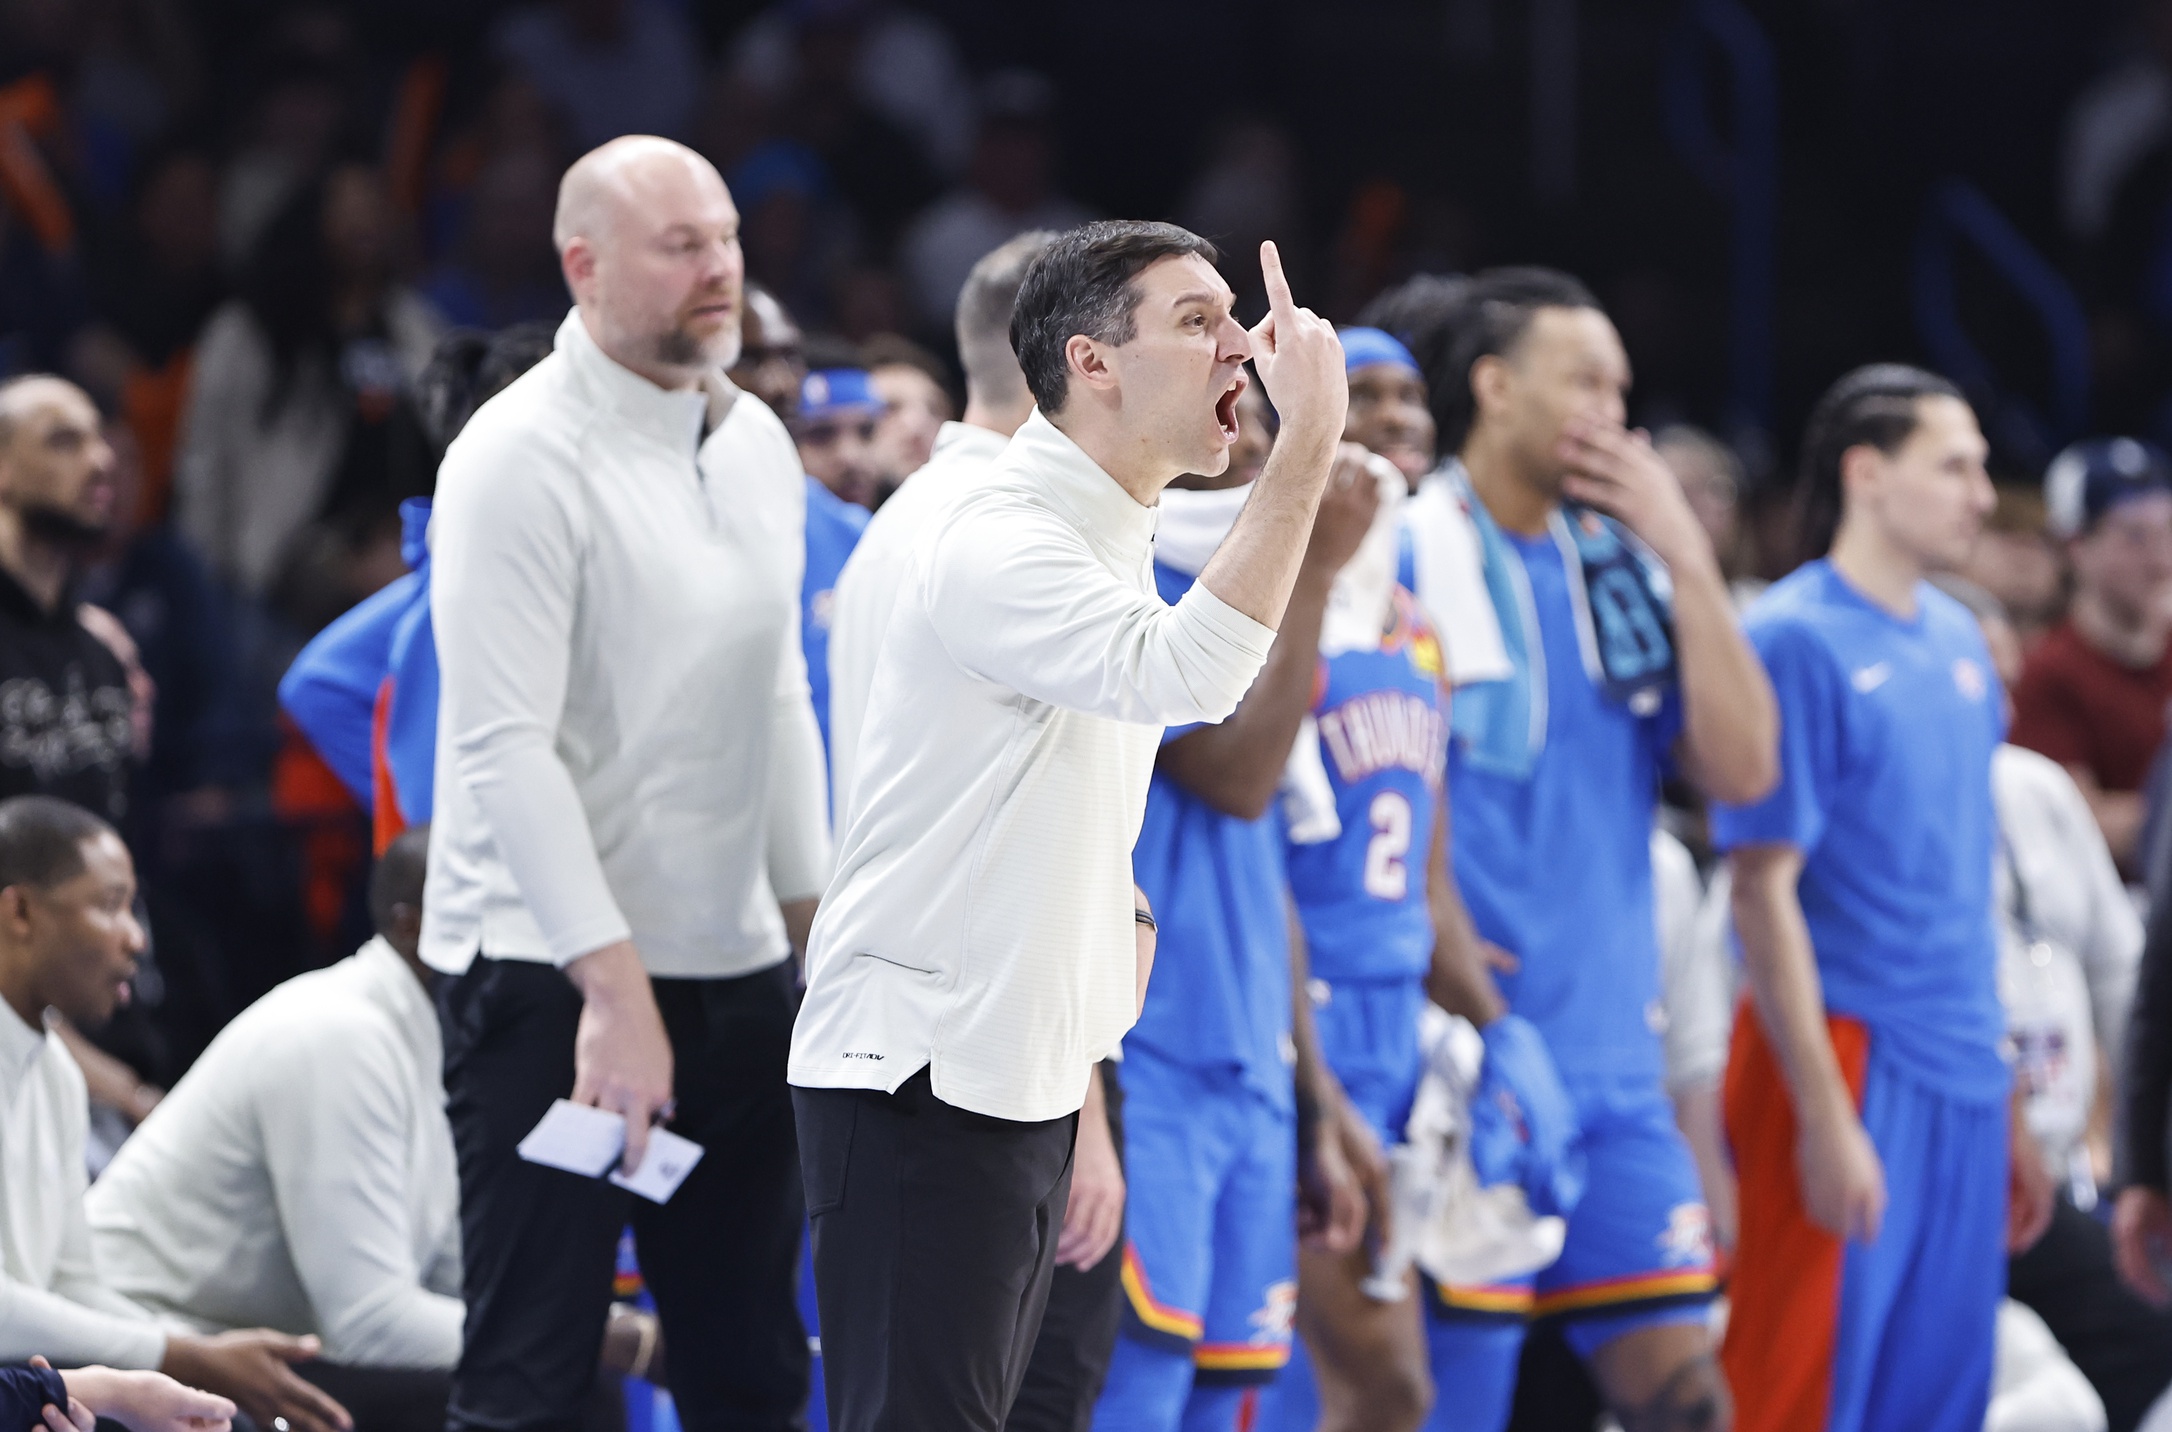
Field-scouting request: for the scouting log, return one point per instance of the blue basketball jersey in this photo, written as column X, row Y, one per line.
column 1556, row 868
column 833, row 530
column 1887, row 728
column 1384, row 739
column 1220, row 992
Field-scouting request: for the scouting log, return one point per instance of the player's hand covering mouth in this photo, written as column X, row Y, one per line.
column 1225, row 407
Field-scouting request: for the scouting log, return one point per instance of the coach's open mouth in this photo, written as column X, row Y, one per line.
column 1225, row 408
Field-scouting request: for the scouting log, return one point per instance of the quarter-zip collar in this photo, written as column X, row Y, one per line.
column 1081, row 487
column 674, row 419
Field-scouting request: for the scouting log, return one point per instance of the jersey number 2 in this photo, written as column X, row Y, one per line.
column 1387, row 877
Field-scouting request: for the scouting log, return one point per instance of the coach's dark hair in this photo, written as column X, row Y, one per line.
column 396, row 878
column 1082, row 283
column 42, row 840
column 1875, row 405
column 1486, row 318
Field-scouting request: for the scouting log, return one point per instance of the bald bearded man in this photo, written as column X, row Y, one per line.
column 630, row 828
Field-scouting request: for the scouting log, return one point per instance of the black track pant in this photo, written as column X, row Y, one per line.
column 934, row 1237
column 1070, row 1361
column 539, row 1245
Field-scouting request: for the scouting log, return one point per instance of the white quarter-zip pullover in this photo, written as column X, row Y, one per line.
column 52, row 1302
column 300, row 1176
column 980, row 917
column 626, row 746
column 867, row 588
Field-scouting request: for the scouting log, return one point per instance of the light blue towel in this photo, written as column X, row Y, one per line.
column 1624, row 627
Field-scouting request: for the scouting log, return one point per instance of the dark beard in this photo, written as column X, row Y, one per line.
column 58, row 527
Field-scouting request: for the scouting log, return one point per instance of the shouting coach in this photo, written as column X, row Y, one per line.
column 629, row 781
column 974, row 956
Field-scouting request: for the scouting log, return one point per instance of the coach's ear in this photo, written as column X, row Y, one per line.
column 1088, row 363
column 577, row 262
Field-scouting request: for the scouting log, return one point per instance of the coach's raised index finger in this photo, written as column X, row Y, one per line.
column 1279, row 298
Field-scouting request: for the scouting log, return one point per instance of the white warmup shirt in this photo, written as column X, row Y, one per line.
column 1696, row 1015
column 625, row 746
column 867, row 588
column 51, row 1300
column 2069, row 948
column 301, row 1177
column 980, row 917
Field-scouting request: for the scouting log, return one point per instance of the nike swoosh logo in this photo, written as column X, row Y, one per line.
column 1870, row 678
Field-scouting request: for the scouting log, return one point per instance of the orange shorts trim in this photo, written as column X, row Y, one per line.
column 1241, row 1357
column 1636, row 1288
column 1513, row 1299
column 1784, row 1321
column 1159, row 1317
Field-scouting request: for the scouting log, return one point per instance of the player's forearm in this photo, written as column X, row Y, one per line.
column 1255, row 568
column 1697, row 1114
column 1784, row 985
column 1236, row 766
column 1458, row 980
column 1730, row 718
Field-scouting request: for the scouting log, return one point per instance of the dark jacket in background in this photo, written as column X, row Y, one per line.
column 65, row 726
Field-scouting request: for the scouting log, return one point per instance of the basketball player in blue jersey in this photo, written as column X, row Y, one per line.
column 1375, row 905
column 1624, row 661
column 1219, row 1129
column 1868, row 1102
column 1362, row 902
column 828, row 400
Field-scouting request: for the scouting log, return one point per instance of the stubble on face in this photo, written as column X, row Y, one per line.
column 678, row 348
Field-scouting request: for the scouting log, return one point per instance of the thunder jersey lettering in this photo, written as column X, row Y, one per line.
column 1383, row 738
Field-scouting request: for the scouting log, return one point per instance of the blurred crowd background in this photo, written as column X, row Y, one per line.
column 243, row 226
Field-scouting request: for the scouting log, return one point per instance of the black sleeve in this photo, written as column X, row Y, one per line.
column 25, row 1393
column 2145, row 1108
